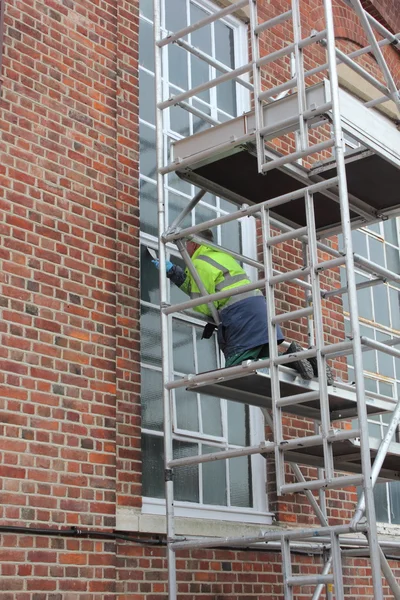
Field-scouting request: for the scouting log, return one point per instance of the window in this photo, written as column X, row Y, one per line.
column 380, row 320
column 201, row 424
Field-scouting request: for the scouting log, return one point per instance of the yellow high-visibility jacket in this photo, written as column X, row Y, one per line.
column 218, row 271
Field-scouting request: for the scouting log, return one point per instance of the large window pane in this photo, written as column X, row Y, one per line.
column 150, row 336
column 214, row 479
column 202, row 37
column 200, row 74
column 206, row 352
column 390, row 228
column 186, row 410
column 381, row 502
column 147, row 107
column 240, row 481
column 178, row 66
column 175, row 15
column 381, row 305
column 186, row 478
column 151, row 395
column 183, row 347
column 149, row 278
column 153, row 459
column 148, row 207
column 146, row 45
column 237, row 415
column 394, row 490
column 211, row 415
column 147, row 151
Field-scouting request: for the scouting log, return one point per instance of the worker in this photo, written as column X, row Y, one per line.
column 243, row 330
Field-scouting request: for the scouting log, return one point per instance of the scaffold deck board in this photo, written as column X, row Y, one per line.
column 347, row 457
column 219, row 162
column 255, row 389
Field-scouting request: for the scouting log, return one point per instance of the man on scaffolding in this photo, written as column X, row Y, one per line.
column 243, row 330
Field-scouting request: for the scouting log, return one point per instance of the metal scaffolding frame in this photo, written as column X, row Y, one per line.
column 308, row 277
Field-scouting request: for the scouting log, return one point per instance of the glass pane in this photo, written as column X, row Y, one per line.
column 202, row 37
column 381, row 502
column 206, row 353
column 386, row 366
column 151, row 394
column 370, row 385
column 175, row 15
column 150, row 336
column 237, row 423
column 214, row 479
column 186, row 478
column 394, row 492
column 226, row 97
column 186, row 410
column 231, row 237
column 375, row 431
column 178, row 66
column 148, row 207
column 375, row 227
column 381, row 304
column 149, row 278
column 211, row 415
column 147, row 151
column 240, row 481
column 386, row 389
column 153, row 458
column 176, row 204
column 369, row 357
column 146, row 8
column 173, row 180
column 364, row 299
column 224, row 44
column 210, row 199
column 179, row 119
column 146, row 45
column 147, row 107
column 360, row 243
column 390, row 229
column 395, row 308
column 200, row 124
column 200, row 74
column 183, row 347
column 204, row 214
column 393, row 259
column 376, row 251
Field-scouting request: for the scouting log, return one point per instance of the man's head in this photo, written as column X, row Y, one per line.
column 191, row 246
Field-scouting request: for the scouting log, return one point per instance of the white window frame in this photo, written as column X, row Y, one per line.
column 258, row 514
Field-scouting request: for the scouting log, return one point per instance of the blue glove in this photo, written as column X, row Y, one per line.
column 168, row 264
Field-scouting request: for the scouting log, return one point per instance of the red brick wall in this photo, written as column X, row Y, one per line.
column 69, row 326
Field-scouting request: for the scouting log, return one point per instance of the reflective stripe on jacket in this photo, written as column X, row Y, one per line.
column 218, row 271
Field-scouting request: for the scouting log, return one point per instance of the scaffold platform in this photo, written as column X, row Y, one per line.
column 255, row 389
column 223, row 161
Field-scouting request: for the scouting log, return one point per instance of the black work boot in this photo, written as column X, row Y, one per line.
column 329, row 375
column 301, row 366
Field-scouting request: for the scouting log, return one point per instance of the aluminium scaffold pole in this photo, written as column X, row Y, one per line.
column 165, row 354
column 352, row 292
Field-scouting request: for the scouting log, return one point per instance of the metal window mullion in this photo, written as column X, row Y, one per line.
column 359, row 375
column 273, row 350
column 165, row 350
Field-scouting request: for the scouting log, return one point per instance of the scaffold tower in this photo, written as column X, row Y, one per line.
column 312, row 191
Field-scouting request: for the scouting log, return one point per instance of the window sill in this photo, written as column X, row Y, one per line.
column 191, row 521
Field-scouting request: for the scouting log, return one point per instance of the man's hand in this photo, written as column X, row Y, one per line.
column 168, row 264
